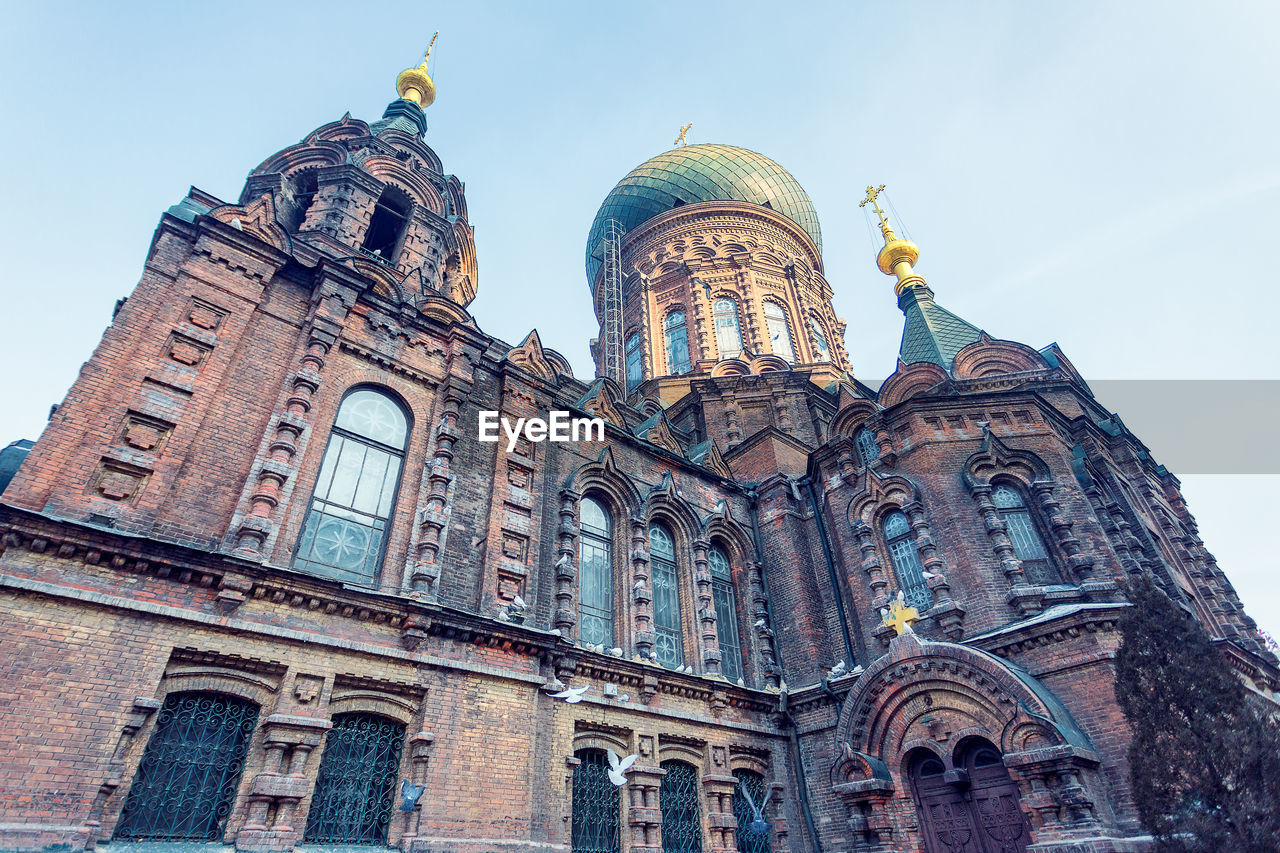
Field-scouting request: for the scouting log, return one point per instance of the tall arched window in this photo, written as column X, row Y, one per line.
column 775, row 320
column 750, row 840
column 596, row 803
column 668, row 636
column 301, row 188
column 186, row 782
column 355, row 789
column 595, row 574
column 356, row 489
column 681, row 816
column 677, row 343
column 387, row 225
column 635, row 370
column 728, row 334
column 1024, row 536
column 820, row 339
column 901, row 542
column 868, row 450
column 726, row 613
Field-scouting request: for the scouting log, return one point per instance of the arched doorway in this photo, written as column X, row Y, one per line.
column 973, row 808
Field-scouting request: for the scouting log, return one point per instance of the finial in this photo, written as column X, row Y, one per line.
column 684, row 131
column 898, row 256
column 899, row 615
column 415, row 84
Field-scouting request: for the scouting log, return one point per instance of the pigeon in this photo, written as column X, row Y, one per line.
column 409, row 794
column 760, row 623
column 639, row 585
column 618, row 767
column 519, row 602
column 625, row 697
column 927, row 575
column 902, row 597
column 237, row 224
column 616, row 652
column 838, row 670
column 572, row 695
column 758, row 826
column 742, row 682
column 598, row 648
column 564, row 560
column 884, row 613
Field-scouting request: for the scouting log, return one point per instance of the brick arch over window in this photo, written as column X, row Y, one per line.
column 967, row 693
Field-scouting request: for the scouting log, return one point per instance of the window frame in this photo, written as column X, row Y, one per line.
column 790, row 356
column 634, row 382
column 822, row 352
column 678, row 631
column 917, row 595
column 585, row 760
column 401, row 454
column 726, row 585
column 1047, row 570
column 680, row 332
column 734, row 312
column 608, row 540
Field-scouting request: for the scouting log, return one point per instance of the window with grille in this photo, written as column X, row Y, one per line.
column 1024, row 536
column 679, row 799
column 355, row 491
column 635, row 370
column 728, row 333
column 726, row 613
column 187, row 778
column 775, row 320
column 868, row 450
column 355, row 790
column 750, row 841
column 901, row 542
column 820, row 339
column 595, row 574
column 677, row 343
column 596, row 804
column 668, row 636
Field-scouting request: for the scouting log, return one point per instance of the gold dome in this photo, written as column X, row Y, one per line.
column 415, row 84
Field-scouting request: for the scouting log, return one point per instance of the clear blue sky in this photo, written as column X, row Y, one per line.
column 1103, row 175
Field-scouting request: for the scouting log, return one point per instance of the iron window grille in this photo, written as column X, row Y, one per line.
column 668, row 636
column 355, row 491
column 679, row 798
column 748, row 841
column 595, row 575
column 1026, row 541
column 901, row 542
column 186, row 781
column 596, row 805
column 355, row 789
column 726, row 614
column 868, row 450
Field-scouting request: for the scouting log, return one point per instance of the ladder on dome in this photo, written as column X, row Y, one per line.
column 611, row 304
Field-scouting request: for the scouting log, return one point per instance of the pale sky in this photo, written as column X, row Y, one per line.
column 1103, row 175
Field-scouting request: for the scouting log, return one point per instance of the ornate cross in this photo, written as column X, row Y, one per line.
column 427, row 55
column 680, row 140
column 872, row 194
column 900, row 616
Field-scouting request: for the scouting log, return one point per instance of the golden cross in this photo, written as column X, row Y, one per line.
column 872, row 194
column 680, row 140
column 427, row 55
column 900, row 615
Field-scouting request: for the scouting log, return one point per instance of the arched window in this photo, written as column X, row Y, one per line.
column 1024, row 536
column 635, row 370
column 356, row 786
column 668, row 636
column 728, row 334
column 387, row 225
column 775, row 320
column 302, row 187
column 901, row 542
column 750, row 840
column 596, row 803
column 868, row 450
column 595, row 575
column 187, row 778
column 356, row 489
column 726, row 613
column 820, row 339
column 677, row 343
column 681, row 817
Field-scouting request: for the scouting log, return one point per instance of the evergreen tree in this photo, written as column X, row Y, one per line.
column 1204, row 762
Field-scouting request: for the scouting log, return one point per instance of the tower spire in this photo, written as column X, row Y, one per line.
column 932, row 333
column 415, row 84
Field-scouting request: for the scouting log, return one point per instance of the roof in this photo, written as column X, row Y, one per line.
column 695, row 173
column 932, row 333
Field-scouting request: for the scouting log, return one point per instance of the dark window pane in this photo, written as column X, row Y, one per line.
column 749, row 840
column 355, row 789
column 668, row 638
column 679, row 798
column 596, row 804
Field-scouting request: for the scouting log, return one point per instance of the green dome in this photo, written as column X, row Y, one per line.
column 696, row 173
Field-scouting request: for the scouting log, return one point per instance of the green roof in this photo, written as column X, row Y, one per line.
column 695, row 173
column 932, row 333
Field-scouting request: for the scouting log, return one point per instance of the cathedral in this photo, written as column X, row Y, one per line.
column 768, row 609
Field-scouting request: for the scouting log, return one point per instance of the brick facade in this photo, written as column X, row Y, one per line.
column 149, row 541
